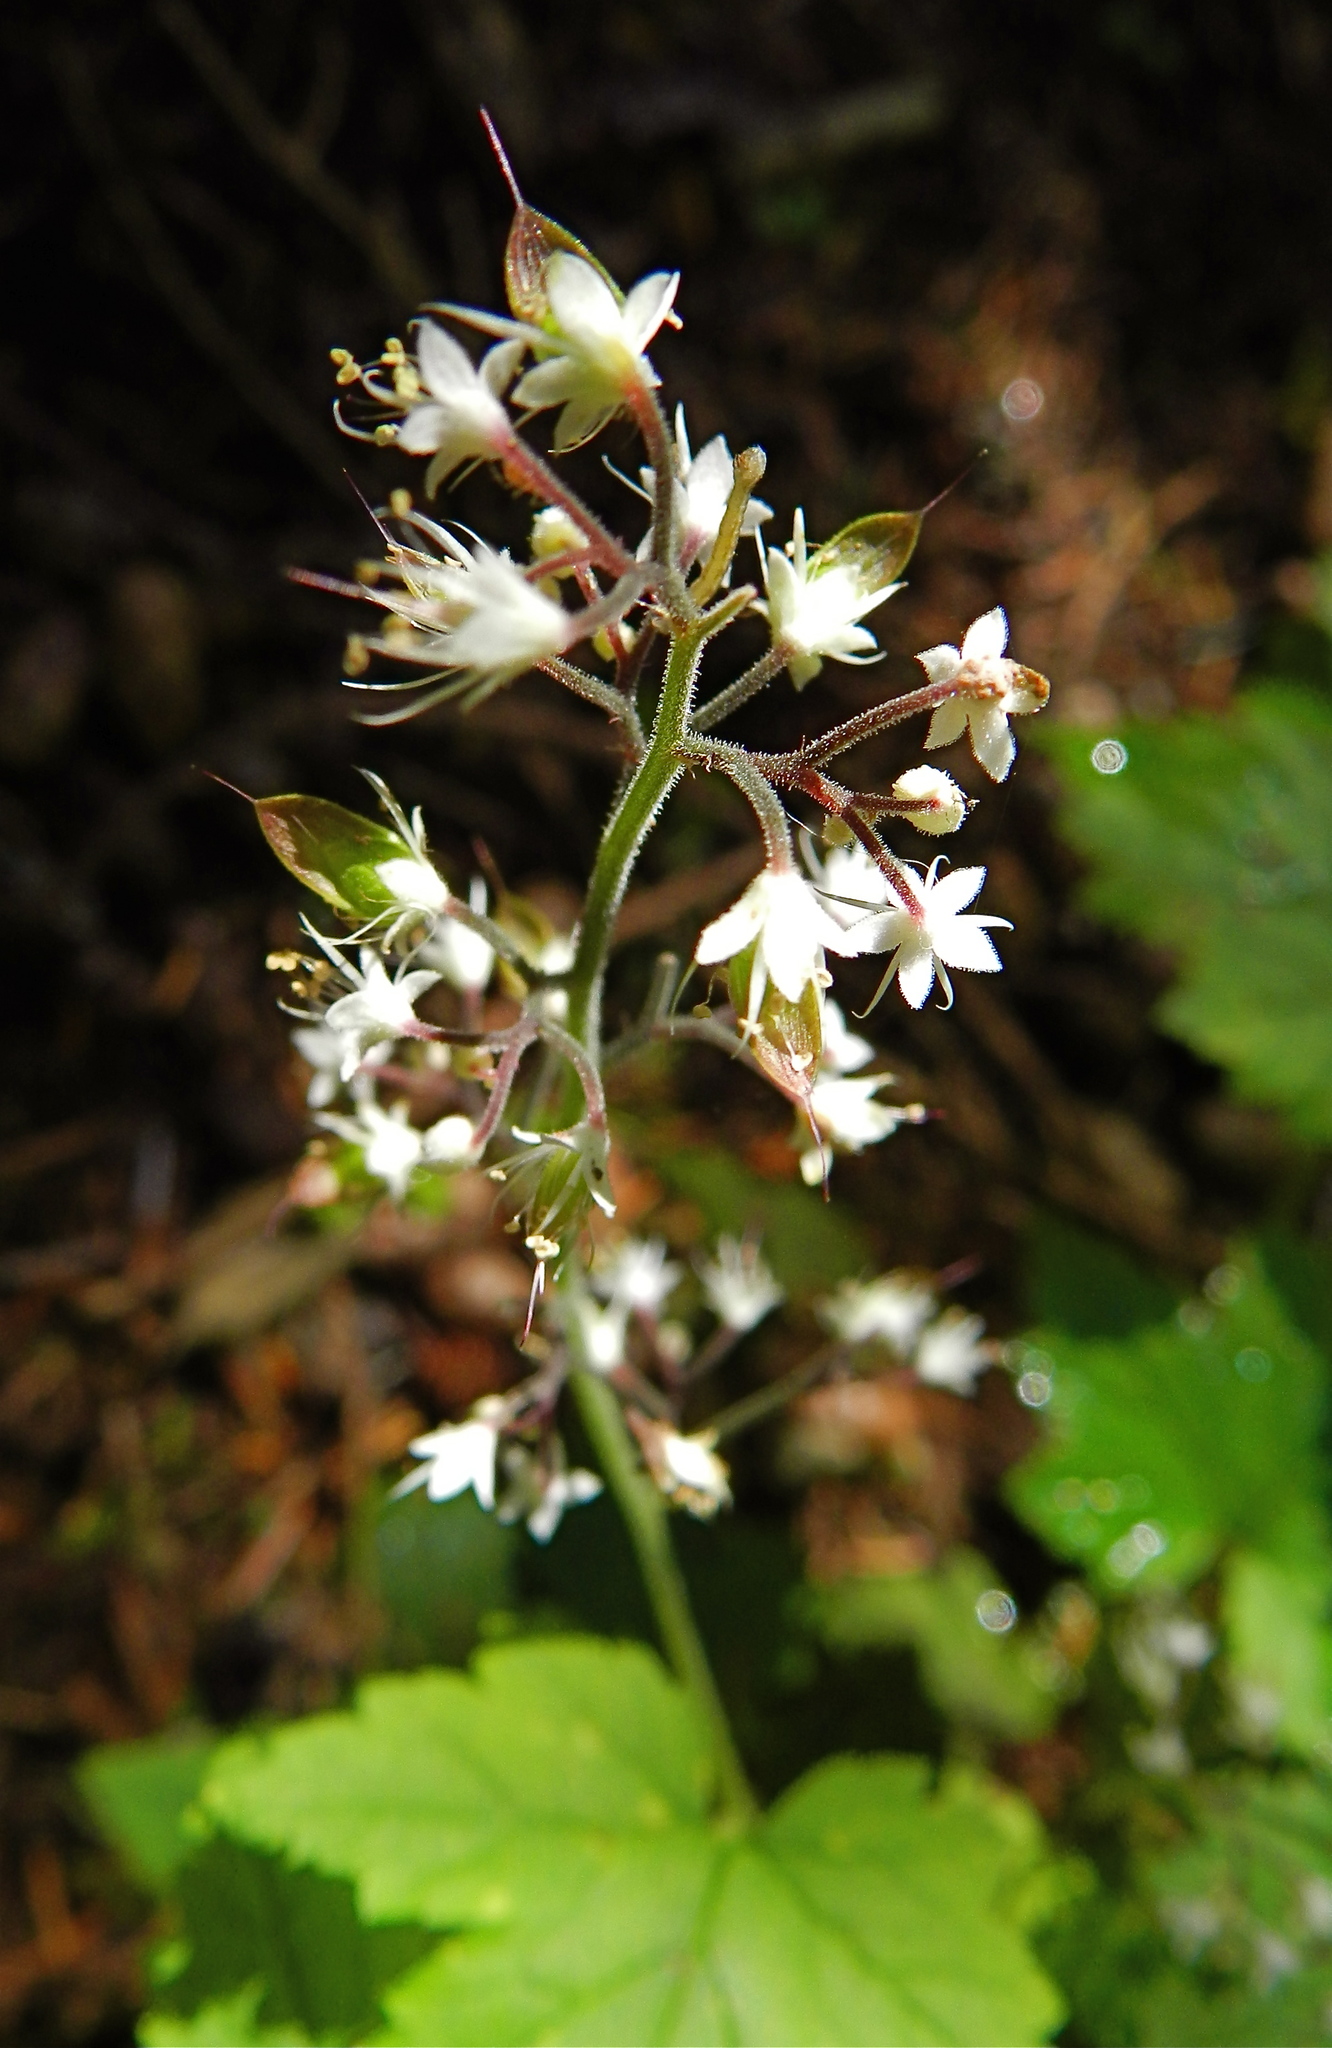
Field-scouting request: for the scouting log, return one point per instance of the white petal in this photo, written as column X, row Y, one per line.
column 647, row 306
column 499, row 366
column 549, row 383
column 940, row 663
column 964, row 942
column 954, row 891
column 915, row 970
column 991, row 741
column 730, row 933
column 424, row 428
column 879, row 933
column 446, row 367
column 581, row 302
column 986, row 638
column 948, row 723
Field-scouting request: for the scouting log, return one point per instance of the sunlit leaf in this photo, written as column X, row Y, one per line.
column 1178, row 1439
column 1215, row 839
column 555, row 1807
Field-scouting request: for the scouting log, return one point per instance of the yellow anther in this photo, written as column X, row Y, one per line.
column 356, row 655
column 400, row 503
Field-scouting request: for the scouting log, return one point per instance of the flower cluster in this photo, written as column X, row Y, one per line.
column 416, row 1022
column 944, row 1347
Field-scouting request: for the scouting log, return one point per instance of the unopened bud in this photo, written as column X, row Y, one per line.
column 938, row 805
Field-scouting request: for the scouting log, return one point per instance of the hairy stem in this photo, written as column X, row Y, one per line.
column 656, row 775
column 646, row 1518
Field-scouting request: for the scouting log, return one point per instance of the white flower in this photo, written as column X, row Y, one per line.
column 813, row 606
column 450, row 1142
column 601, row 1333
column 848, row 1116
column 894, row 1308
column 781, row 917
column 948, row 806
column 591, row 344
column 950, row 1352
column 390, row 1146
column 636, row 1275
column 739, row 1286
column 462, row 416
column 691, row 1473
column 539, row 1493
column 414, row 885
column 458, row 1455
column 463, row 958
column 848, row 881
column 933, row 939
column 843, row 1049
column 563, row 1490
column 703, row 487
column 504, row 623
column 377, row 1008
column 324, row 1052
column 991, row 688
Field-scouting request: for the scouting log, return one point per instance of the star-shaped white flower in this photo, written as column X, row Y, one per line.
column 637, row 1274
column 460, row 415
column 895, row 1308
column 392, row 1147
column 847, row 1115
column 325, row 1052
column 813, row 607
column 591, row 344
column 991, row 689
column 458, row 1455
column 377, row 1009
column 951, row 1353
column 929, row 941
column 781, row 917
column 738, row 1284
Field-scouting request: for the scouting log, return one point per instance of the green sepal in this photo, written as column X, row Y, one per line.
column 533, row 239
column 335, row 852
column 875, row 549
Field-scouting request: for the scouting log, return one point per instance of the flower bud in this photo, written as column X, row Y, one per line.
column 943, row 807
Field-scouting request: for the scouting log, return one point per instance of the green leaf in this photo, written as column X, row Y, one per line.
column 335, row 852
column 1181, row 1438
column 222, row 2023
column 982, row 1680
column 1279, row 1645
column 139, row 1793
column 1215, row 839
column 249, row 1919
column 1223, row 1936
column 554, row 1807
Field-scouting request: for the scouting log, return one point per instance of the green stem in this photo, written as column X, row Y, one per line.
column 646, row 1519
column 656, row 775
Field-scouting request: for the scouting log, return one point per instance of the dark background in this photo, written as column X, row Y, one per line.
column 884, row 215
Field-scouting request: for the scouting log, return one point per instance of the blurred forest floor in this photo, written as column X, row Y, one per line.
column 1076, row 236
